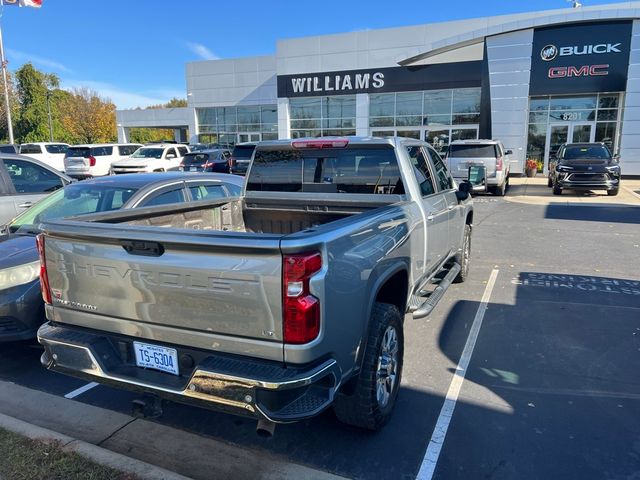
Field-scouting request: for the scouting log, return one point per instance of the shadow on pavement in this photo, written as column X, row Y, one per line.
column 594, row 213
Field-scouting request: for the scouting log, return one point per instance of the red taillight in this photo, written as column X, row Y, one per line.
column 92, row 161
column 300, row 309
column 44, row 277
column 323, row 143
column 206, row 165
column 499, row 163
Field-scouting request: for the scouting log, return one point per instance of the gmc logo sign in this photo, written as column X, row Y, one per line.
column 583, row 71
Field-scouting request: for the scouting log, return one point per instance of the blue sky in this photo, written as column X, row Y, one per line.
column 134, row 51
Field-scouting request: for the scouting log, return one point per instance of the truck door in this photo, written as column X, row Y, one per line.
column 448, row 191
column 435, row 208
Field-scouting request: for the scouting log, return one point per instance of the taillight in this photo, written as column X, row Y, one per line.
column 322, row 143
column 92, row 161
column 300, row 309
column 44, row 277
column 499, row 163
column 232, row 161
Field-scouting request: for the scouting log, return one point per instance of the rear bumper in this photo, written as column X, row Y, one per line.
column 21, row 312
column 234, row 384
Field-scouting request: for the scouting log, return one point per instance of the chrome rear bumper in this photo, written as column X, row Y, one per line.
column 233, row 384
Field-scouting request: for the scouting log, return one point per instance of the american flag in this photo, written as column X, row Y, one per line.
column 22, row 3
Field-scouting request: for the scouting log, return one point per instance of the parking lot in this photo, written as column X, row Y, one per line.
column 551, row 388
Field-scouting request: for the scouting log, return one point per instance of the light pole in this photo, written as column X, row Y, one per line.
column 49, row 114
column 6, row 89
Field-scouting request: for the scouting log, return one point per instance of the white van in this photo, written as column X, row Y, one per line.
column 152, row 158
column 49, row 153
column 94, row 160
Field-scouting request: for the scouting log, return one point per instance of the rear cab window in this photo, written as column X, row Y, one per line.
column 357, row 169
column 243, row 152
column 195, row 158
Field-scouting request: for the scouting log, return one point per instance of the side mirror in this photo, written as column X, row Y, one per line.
column 464, row 189
column 616, row 157
column 553, row 156
column 508, row 152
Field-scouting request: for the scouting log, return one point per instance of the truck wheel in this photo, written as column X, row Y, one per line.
column 614, row 192
column 556, row 188
column 499, row 190
column 464, row 257
column 375, row 390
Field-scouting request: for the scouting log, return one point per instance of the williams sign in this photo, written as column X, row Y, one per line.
column 393, row 79
column 582, row 58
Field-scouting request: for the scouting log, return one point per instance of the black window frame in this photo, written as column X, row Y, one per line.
column 451, row 184
column 421, row 149
column 9, row 185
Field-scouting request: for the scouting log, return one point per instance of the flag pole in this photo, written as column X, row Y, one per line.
column 6, row 86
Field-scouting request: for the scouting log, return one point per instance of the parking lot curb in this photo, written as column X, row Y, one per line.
column 92, row 452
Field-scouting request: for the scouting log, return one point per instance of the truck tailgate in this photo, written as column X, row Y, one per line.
column 204, row 282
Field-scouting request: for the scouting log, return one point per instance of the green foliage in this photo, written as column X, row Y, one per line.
column 149, row 135
column 32, row 122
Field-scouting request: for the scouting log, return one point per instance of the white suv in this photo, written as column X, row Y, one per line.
column 152, row 158
column 490, row 154
column 94, row 160
column 49, row 153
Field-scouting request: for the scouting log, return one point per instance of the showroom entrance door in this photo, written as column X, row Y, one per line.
column 248, row 137
column 573, row 132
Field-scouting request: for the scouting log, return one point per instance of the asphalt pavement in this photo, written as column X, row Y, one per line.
column 551, row 388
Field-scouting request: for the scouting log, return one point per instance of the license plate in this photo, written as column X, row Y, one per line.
column 156, row 357
column 193, row 169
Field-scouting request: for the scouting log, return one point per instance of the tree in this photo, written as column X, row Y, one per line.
column 32, row 86
column 150, row 135
column 87, row 117
column 173, row 103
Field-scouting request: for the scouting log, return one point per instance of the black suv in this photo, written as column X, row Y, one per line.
column 241, row 158
column 584, row 166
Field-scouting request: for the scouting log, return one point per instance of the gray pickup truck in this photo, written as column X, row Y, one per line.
column 277, row 304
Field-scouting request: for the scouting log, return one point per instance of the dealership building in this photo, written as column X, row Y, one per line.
column 532, row 80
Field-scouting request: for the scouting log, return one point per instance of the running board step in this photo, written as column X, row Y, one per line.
column 423, row 306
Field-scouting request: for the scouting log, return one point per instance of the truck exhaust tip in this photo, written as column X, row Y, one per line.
column 265, row 428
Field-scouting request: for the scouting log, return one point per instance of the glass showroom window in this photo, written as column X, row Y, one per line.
column 321, row 116
column 597, row 113
column 225, row 125
column 437, row 116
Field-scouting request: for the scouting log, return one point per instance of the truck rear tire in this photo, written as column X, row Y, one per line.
column 370, row 404
column 464, row 257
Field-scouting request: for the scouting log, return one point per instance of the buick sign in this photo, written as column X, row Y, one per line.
column 580, row 58
column 549, row 52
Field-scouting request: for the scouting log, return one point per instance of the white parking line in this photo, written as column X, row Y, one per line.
column 436, row 442
column 81, row 390
column 631, row 192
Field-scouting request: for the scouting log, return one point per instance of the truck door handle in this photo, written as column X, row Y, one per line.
column 146, row 249
column 25, row 205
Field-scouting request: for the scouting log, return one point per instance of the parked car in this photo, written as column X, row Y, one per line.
column 21, row 306
column 241, row 158
column 49, row 153
column 491, row 154
column 9, row 148
column 206, row 161
column 277, row 304
column 152, row 158
column 199, row 147
column 584, row 166
column 94, row 160
column 24, row 181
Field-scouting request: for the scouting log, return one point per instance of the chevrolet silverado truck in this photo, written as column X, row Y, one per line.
column 276, row 304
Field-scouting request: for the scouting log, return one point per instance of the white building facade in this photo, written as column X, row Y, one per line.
column 533, row 80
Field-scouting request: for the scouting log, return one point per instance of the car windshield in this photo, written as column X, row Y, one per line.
column 599, row 152
column 148, row 153
column 75, row 199
column 57, row 148
column 472, row 151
